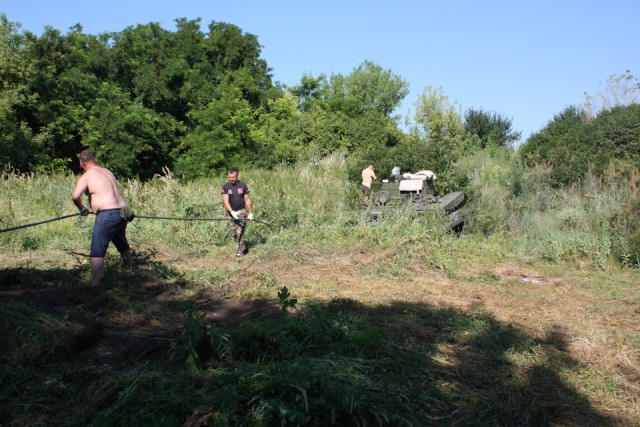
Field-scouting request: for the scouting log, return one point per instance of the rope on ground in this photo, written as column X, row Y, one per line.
column 39, row 222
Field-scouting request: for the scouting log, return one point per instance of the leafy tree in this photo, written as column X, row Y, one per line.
column 228, row 50
column 485, row 129
column 615, row 134
column 133, row 141
column 540, row 147
column 368, row 88
column 376, row 89
column 437, row 121
column 310, row 92
column 144, row 62
column 67, row 86
column 18, row 146
column 49, row 84
column 276, row 132
column 221, row 137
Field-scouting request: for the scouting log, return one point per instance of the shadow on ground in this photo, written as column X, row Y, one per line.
column 148, row 349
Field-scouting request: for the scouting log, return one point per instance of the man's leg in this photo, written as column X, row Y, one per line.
column 241, row 245
column 240, row 230
column 122, row 245
column 366, row 192
column 127, row 259
column 97, row 265
column 231, row 226
column 108, row 227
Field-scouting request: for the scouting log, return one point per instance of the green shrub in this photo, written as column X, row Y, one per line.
column 626, row 230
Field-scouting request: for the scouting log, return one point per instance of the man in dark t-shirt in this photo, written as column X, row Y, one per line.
column 236, row 201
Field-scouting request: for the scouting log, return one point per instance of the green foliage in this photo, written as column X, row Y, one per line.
column 572, row 146
column 286, row 302
column 31, row 335
column 540, row 147
column 438, row 121
column 625, row 225
column 138, row 97
column 367, row 89
column 220, row 138
column 131, row 140
column 373, row 88
column 310, row 93
column 198, row 102
column 490, row 129
column 615, row 135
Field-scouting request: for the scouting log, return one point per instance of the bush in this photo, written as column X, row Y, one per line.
column 626, row 229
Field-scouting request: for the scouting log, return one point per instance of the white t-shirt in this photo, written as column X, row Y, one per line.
column 367, row 177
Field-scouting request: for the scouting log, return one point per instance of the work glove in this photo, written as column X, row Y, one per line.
column 126, row 213
column 84, row 211
column 250, row 217
column 234, row 214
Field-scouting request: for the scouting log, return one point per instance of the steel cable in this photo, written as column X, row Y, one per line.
column 143, row 217
column 39, row 222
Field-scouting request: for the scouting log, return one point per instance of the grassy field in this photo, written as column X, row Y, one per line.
column 527, row 318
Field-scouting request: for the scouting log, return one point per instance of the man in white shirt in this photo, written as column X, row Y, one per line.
column 367, row 178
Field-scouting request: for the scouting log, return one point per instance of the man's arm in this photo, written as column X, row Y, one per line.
column 225, row 202
column 81, row 188
column 247, row 202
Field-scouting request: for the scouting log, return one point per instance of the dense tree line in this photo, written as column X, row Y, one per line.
column 196, row 102
column 142, row 98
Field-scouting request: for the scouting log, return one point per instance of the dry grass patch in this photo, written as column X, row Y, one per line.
column 555, row 308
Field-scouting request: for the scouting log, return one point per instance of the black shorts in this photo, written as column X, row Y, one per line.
column 109, row 227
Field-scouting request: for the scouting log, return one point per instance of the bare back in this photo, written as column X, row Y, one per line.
column 101, row 187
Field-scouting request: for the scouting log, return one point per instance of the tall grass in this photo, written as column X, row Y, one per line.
column 31, row 198
column 316, row 205
column 571, row 225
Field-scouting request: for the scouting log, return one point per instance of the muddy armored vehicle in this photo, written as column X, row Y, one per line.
column 417, row 189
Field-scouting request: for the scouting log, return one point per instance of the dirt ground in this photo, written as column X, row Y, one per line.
column 598, row 330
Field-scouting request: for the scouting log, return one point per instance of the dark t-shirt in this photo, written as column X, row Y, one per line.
column 236, row 194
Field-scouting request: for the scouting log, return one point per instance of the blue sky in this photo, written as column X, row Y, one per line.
column 525, row 60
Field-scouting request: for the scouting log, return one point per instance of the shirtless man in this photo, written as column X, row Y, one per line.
column 105, row 201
